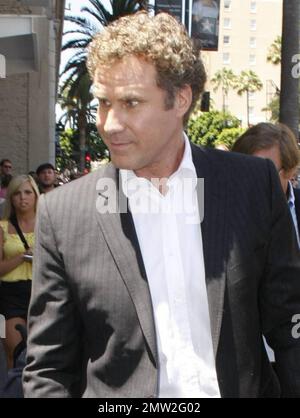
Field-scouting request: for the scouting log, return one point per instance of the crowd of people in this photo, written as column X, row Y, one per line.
column 125, row 303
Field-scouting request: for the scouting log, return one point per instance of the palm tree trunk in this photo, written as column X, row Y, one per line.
column 82, row 139
column 289, row 108
column 223, row 93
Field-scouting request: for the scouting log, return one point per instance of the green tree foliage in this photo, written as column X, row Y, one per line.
column 273, row 108
column 274, row 57
column 228, row 137
column 69, row 142
column 274, row 51
column 76, row 101
column 213, row 128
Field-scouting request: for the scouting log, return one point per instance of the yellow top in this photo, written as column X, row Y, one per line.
column 12, row 246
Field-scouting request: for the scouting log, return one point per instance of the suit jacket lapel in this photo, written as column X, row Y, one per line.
column 120, row 236
column 214, row 234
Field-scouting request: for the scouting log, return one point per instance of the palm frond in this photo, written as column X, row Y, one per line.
column 76, row 44
column 75, row 95
column 81, row 21
column 87, row 31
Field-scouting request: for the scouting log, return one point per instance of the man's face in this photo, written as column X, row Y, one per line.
column 132, row 118
column 6, row 168
column 273, row 154
column 47, row 177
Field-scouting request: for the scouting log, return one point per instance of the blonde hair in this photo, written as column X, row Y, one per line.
column 13, row 187
column 160, row 40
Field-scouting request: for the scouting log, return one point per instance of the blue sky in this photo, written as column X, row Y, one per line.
column 75, row 9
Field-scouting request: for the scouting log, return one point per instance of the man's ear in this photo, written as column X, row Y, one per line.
column 183, row 99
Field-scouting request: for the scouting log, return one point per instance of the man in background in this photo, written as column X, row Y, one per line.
column 46, row 177
column 5, row 167
column 279, row 144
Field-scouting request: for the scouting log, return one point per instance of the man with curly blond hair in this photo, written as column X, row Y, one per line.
column 157, row 275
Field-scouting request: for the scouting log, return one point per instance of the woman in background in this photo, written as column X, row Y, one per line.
column 16, row 257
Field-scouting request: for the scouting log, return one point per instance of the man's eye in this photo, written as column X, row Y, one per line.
column 131, row 103
column 103, row 103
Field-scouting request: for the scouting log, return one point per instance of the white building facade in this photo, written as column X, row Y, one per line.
column 247, row 30
column 30, row 43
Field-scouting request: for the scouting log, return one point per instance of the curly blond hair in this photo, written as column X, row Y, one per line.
column 158, row 39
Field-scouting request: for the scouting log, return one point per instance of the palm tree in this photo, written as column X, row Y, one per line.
column 289, row 93
column 226, row 79
column 273, row 109
column 93, row 18
column 76, row 99
column 69, row 107
column 71, row 102
column 274, row 52
column 248, row 82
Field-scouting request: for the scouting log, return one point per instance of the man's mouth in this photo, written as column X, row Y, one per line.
column 119, row 145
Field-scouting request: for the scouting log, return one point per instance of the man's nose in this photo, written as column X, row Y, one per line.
column 113, row 122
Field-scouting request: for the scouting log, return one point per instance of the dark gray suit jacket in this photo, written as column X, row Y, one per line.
column 91, row 326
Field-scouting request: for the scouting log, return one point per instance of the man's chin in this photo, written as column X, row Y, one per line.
column 123, row 163
column 46, row 186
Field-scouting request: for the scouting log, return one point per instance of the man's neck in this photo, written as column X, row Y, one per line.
column 160, row 172
column 46, row 189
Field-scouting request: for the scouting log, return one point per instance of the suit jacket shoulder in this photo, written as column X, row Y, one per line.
column 243, row 172
column 75, row 195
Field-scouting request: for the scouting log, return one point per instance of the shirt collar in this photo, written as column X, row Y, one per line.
column 291, row 195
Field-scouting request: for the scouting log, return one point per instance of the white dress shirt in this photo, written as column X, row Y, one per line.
column 291, row 203
column 169, row 235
